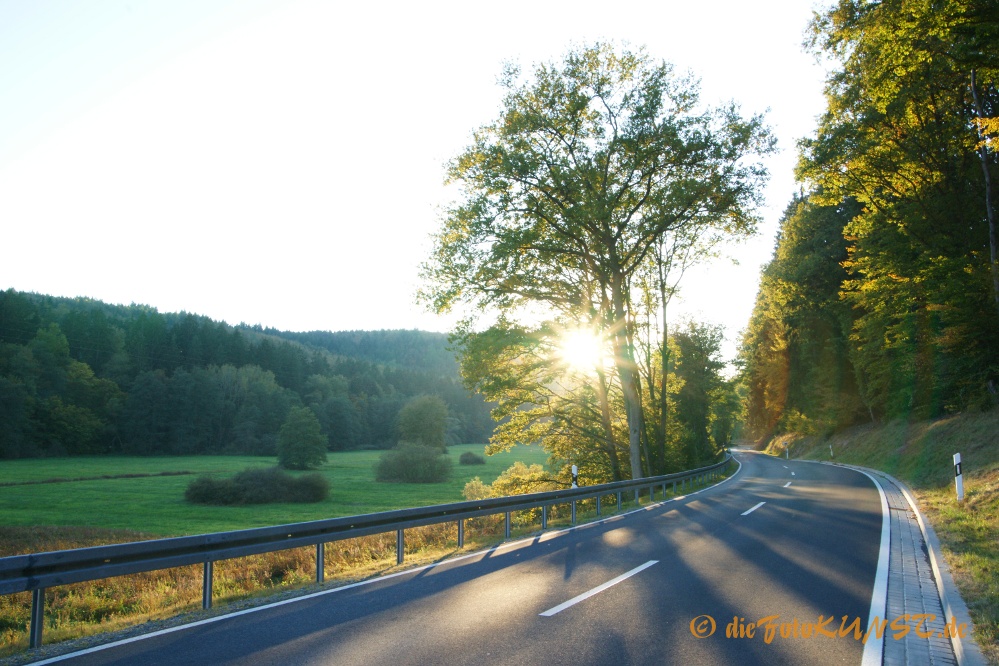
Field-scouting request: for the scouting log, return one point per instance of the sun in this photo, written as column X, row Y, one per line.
column 581, row 350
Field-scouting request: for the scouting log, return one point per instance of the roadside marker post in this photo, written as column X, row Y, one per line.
column 958, row 477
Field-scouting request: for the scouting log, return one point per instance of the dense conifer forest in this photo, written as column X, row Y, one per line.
column 79, row 376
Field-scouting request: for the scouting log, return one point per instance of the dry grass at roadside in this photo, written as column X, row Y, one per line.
column 111, row 604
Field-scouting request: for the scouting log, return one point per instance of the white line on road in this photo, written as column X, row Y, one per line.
column 786, row 467
column 597, row 590
column 787, row 484
column 792, row 473
column 746, row 513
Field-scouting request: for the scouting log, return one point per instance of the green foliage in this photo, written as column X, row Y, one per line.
column 594, row 165
column 899, row 139
column 471, row 458
column 413, row 463
column 258, row 486
column 518, row 479
column 423, row 420
column 476, row 490
column 301, row 445
column 796, row 352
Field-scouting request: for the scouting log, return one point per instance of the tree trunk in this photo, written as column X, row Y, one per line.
column 663, row 397
column 626, row 369
column 605, row 419
column 983, row 154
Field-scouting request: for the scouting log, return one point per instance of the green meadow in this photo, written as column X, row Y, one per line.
column 147, row 494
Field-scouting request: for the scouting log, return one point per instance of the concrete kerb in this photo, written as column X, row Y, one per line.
column 966, row 651
column 955, row 610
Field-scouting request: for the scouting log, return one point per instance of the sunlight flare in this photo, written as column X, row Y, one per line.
column 582, row 350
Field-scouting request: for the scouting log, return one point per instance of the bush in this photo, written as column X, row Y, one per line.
column 413, row 463
column 471, row 458
column 258, row 486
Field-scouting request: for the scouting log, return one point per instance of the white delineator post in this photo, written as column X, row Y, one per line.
column 958, row 478
column 575, row 476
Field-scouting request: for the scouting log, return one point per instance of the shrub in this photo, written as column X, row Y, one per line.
column 258, row 486
column 413, row 463
column 476, row 490
column 471, row 458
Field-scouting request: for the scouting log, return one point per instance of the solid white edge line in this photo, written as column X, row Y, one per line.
column 597, row 590
column 746, row 513
column 482, row 553
column 874, row 647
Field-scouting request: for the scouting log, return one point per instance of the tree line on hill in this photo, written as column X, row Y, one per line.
column 79, row 376
column 882, row 297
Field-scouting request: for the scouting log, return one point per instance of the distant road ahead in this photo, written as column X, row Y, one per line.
column 809, row 548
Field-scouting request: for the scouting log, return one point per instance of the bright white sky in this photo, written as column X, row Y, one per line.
column 282, row 163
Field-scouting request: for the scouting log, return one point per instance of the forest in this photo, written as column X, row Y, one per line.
column 881, row 300
column 79, row 376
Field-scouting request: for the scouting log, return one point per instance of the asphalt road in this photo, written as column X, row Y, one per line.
column 808, row 553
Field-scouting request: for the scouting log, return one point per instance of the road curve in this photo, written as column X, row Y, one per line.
column 794, row 542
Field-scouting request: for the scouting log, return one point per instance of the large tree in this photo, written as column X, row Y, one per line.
column 591, row 165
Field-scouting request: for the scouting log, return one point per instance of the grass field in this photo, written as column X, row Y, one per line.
column 155, row 505
column 920, row 454
column 113, row 500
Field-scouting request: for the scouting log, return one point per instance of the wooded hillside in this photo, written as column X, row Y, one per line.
column 79, row 376
column 882, row 297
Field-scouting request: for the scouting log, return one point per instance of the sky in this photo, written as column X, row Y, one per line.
column 282, row 163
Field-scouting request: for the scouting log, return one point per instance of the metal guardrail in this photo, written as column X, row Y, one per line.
column 36, row 572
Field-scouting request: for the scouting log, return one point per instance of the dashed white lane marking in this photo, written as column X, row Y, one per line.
column 597, row 590
column 787, row 484
column 746, row 513
column 792, row 473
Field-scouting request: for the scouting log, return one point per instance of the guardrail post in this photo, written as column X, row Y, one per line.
column 320, row 562
column 636, row 496
column 598, row 505
column 652, row 493
column 506, row 526
column 37, row 618
column 544, row 516
column 461, row 533
column 400, row 546
column 619, row 500
column 573, row 512
column 674, row 488
column 206, row 585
